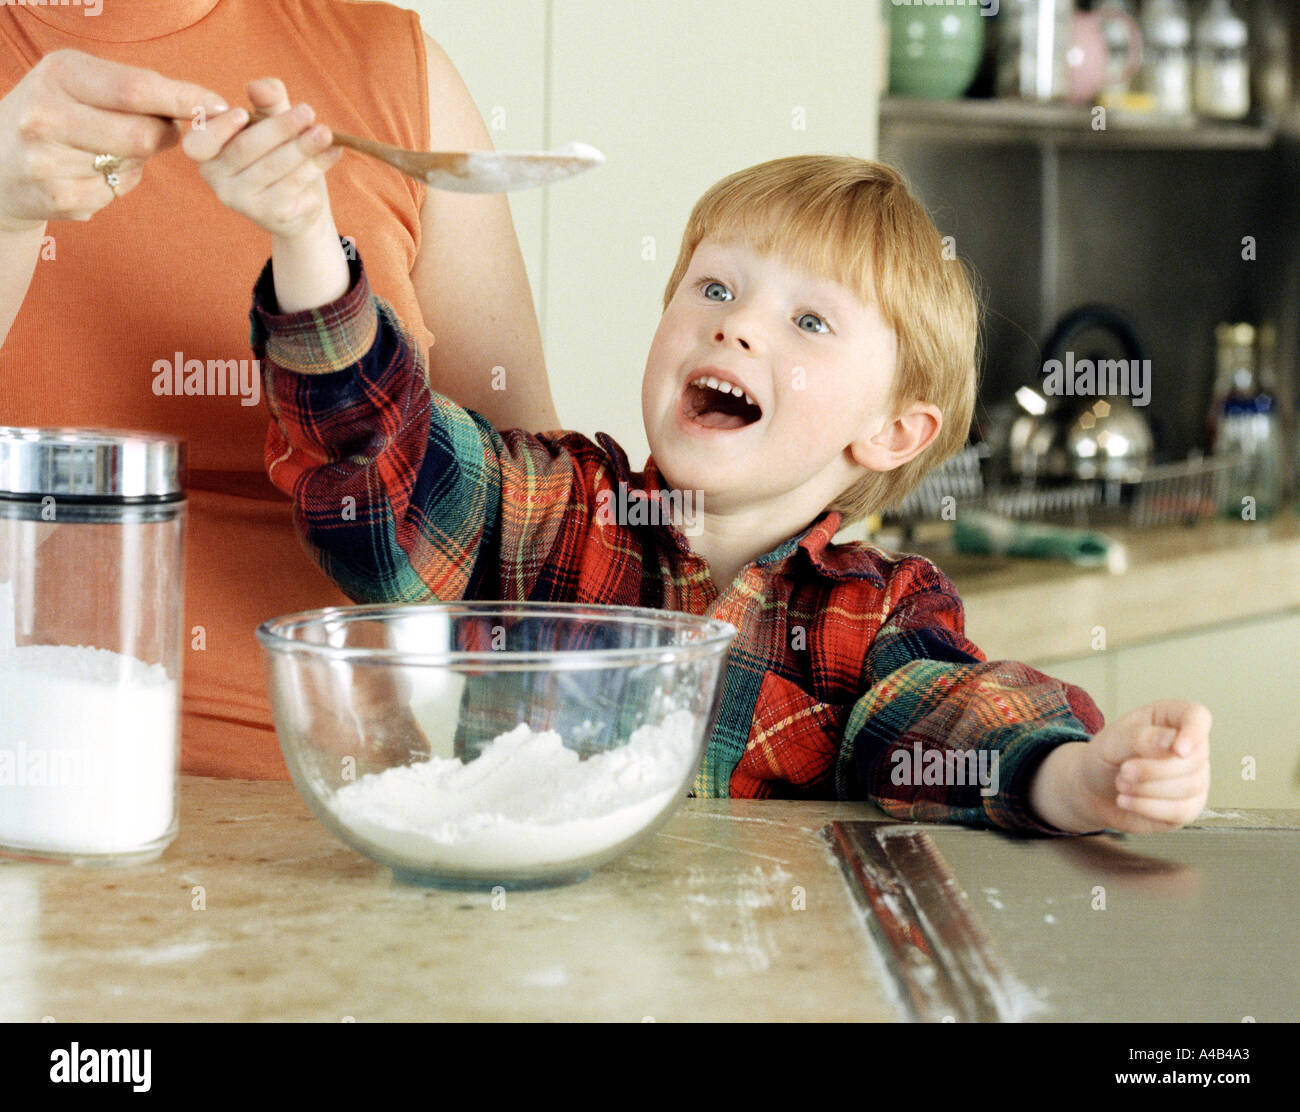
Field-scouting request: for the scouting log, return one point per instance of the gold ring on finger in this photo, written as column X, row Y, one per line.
column 108, row 165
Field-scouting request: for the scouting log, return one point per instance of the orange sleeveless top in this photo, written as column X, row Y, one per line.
column 166, row 274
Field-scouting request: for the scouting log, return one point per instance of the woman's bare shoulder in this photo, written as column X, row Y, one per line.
column 457, row 123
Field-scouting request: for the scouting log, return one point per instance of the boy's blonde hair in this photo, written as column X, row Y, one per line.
column 857, row 222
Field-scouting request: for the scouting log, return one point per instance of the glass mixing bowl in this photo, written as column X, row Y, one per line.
column 477, row 744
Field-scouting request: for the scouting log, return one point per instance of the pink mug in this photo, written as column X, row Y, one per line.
column 1088, row 56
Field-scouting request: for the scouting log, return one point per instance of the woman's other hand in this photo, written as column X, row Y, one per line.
column 67, row 109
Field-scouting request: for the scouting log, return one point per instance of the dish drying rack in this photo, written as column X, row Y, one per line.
column 1164, row 494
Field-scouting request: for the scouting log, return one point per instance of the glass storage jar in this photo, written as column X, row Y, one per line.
column 91, row 612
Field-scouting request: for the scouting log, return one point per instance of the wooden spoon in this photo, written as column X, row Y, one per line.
column 476, row 171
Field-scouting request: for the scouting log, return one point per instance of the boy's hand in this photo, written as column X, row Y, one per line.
column 273, row 171
column 1146, row 772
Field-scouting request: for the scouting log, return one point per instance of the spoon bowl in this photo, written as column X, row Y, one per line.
column 475, row 171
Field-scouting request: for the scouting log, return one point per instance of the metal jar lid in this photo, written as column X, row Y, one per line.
column 112, row 464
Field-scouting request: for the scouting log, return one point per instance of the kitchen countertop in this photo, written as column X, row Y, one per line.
column 1184, row 926
column 1178, row 578
column 736, row 909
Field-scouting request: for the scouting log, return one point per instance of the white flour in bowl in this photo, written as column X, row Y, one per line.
column 526, row 801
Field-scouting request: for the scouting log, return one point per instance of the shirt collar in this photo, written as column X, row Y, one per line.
column 833, row 561
column 119, row 21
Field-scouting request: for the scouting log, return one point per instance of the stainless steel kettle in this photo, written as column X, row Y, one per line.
column 1058, row 436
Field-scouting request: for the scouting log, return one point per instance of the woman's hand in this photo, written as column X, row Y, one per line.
column 273, row 171
column 71, row 107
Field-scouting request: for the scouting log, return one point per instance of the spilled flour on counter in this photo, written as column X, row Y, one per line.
column 525, row 801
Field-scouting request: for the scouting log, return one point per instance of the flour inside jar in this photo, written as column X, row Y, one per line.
column 88, row 741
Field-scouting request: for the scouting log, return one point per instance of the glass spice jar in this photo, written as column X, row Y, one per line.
column 91, row 612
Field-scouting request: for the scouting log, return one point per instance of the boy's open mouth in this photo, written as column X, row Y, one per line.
column 719, row 405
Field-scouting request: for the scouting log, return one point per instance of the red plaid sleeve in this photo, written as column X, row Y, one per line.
column 941, row 734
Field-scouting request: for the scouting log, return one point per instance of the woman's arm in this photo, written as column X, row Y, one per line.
column 470, row 280
column 19, row 250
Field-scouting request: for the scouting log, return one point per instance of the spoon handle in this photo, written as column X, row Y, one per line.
column 414, row 163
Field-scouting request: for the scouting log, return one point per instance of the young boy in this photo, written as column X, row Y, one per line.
column 816, row 354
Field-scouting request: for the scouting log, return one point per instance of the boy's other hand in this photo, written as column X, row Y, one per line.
column 273, row 171
column 1146, row 772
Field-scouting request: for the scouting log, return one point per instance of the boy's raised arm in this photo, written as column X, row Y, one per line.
column 397, row 490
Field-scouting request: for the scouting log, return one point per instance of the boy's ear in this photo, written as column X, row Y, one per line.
column 898, row 440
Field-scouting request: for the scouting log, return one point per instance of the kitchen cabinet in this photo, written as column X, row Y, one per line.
column 1246, row 673
column 1178, row 228
column 1209, row 612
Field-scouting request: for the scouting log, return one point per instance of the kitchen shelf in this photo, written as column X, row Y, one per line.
column 1000, row 122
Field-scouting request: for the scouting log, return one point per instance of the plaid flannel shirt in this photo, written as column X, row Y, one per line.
column 850, row 669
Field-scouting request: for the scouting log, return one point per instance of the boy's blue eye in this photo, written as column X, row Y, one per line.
column 817, row 325
column 716, row 291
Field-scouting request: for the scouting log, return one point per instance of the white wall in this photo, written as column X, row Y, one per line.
column 677, row 94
